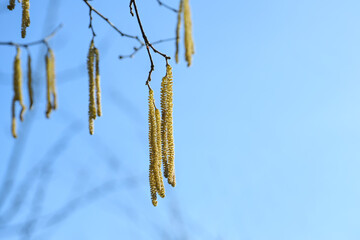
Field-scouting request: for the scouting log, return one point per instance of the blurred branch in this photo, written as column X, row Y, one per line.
column 41, row 41
column 136, row 49
column 69, row 208
column 40, row 170
column 166, row 6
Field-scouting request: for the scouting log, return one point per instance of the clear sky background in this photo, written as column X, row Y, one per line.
column 266, row 124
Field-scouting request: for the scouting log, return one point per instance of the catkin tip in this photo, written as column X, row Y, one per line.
column 11, row 5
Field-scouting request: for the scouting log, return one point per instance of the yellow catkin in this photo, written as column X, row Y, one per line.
column 29, row 83
column 11, row 5
column 163, row 101
column 97, row 82
column 17, row 85
column 25, row 17
column 189, row 44
column 178, row 26
column 50, row 83
column 92, row 107
column 152, row 148
column 169, row 126
column 160, row 184
column 53, row 84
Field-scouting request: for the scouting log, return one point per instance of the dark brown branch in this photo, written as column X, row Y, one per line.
column 147, row 43
column 41, row 41
column 110, row 23
column 167, row 6
column 136, row 49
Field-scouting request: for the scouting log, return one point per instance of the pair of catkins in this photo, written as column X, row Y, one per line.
column 17, row 86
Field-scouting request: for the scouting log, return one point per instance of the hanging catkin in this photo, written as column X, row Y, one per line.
column 152, row 148
column 25, row 17
column 169, row 127
column 50, row 83
column 97, row 82
column 155, row 174
column 17, row 85
column 29, row 83
column 92, row 107
column 160, row 183
column 178, row 26
column 94, row 85
column 189, row 44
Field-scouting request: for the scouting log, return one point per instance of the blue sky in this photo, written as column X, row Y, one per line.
column 266, row 122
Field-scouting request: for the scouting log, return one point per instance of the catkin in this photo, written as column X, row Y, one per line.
column 29, row 83
column 160, row 184
column 11, row 5
column 94, row 85
column 97, row 82
column 163, row 101
column 17, row 85
column 169, row 126
column 50, row 83
column 189, row 44
column 178, row 26
column 25, row 17
column 92, row 107
column 152, row 148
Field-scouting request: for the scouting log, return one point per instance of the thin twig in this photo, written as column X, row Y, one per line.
column 41, row 41
column 110, row 23
column 147, row 43
column 136, row 49
column 167, row 6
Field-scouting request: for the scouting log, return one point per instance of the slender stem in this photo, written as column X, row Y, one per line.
column 110, row 23
column 136, row 49
column 147, row 43
column 41, row 41
column 167, row 6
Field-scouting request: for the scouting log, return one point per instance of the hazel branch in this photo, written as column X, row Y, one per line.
column 136, row 49
column 41, row 41
column 167, row 6
column 92, row 9
column 147, row 43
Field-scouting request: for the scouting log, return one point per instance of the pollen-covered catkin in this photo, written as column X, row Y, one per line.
column 93, row 59
column 50, row 83
column 53, row 85
column 163, row 101
column 29, row 83
column 152, row 148
column 17, row 85
column 169, row 126
column 189, row 44
column 25, row 17
column 178, row 26
column 97, row 82
column 160, row 184
column 11, row 5
column 92, row 107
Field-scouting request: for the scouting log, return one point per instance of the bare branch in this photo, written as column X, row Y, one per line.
column 136, row 49
column 108, row 21
column 167, row 6
column 41, row 41
column 147, row 43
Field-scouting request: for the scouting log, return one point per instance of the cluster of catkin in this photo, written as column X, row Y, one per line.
column 184, row 9
column 17, row 85
column 94, row 85
column 25, row 22
column 161, row 139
